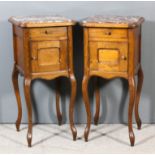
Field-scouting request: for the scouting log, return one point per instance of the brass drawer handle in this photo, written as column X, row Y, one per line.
column 123, row 57
column 107, row 33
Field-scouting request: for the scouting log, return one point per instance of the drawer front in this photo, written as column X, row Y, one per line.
column 109, row 56
column 57, row 33
column 107, row 33
column 47, row 56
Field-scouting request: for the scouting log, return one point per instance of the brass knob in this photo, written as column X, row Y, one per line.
column 123, row 57
column 108, row 33
column 34, row 58
column 48, row 32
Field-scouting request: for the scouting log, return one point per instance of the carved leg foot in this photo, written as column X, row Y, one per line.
column 71, row 106
column 59, row 115
column 27, row 90
column 16, row 90
column 97, row 95
column 87, row 105
column 132, row 91
column 29, row 136
column 139, row 88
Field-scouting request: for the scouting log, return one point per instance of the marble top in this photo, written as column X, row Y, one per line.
column 29, row 21
column 120, row 20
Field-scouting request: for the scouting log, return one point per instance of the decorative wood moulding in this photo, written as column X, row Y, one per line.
column 41, row 21
column 112, row 21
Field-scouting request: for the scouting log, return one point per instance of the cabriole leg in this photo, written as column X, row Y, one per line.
column 59, row 115
column 132, row 91
column 27, row 91
column 97, row 96
column 71, row 106
column 138, row 92
column 16, row 90
column 87, row 105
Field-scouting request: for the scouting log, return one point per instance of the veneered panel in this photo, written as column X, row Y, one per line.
column 48, row 56
column 108, row 56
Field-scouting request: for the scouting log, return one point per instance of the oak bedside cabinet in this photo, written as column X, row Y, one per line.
column 42, row 49
column 112, row 48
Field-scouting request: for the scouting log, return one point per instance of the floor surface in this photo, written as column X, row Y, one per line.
column 106, row 138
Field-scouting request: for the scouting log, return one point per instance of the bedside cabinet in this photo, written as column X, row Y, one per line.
column 42, row 49
column 112, row 48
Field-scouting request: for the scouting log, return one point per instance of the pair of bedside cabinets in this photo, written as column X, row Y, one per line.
column 43, row 48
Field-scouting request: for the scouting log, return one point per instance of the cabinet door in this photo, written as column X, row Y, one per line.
column 47, row 56
column 108, row 56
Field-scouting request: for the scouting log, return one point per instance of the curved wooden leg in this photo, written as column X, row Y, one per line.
column 59, row 115
column 139, row 88
column 71, row 106
column 87, row 105
column 16, row 90
column 97, row 95
column 27, row 91
column 132, row 91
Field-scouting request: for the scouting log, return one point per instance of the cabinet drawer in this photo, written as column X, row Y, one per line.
column 108, row 56
column 107, row 33
column 48, row 56
column 55, row 33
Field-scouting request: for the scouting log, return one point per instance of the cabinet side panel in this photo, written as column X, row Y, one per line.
column 137, row 48
column 18, row 48
column 131, row 62
column 26, row 52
